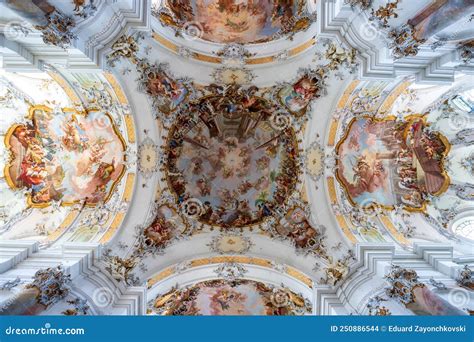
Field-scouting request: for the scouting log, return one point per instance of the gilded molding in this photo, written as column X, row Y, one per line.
column 345, row 228
column 71, row 216
column 390, row 99
column 128, row 190
column 387, row 222
column 130, row 127
column 290, row 271
column 217, row 60
column 113, row 227
column 332, row 189
column 116, row 87
column 57, row 77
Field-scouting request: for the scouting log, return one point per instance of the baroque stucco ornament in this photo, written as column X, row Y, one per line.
column 402, row 283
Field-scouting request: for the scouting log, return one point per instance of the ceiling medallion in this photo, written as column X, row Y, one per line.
column 167, row 93
column 65, row 156
column 232, row 75
column 297, row 97
column 294, row 225
column 166, row 225
column 232, row 157
column 230, row 244
column 148, row 160
column 315, row 160
column 233, row 21
column 390, row 163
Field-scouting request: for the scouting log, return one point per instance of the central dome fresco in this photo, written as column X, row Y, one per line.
column 233, row 157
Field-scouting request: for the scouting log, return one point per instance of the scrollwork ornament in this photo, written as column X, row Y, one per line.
column 465, row 277
column 403, row 281
column 51, row 284
column 464, row 191
column 281, row 120
column 466, row 51
column 403, row 41
column 234, row 54
column 376, row 308
column 58, row 30
column 384, row 13
column 192, row 208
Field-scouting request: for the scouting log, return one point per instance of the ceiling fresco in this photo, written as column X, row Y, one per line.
column 438, row 16
column 383, row 150
column 391, row 162
column 234, row 156
column 245, row 22
column 296, row 97
column 168, row 93
column 240, row 157
column 65, row 156
column 230, row 298
column 64, row 143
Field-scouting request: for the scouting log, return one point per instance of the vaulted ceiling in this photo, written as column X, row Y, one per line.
column 279, row 135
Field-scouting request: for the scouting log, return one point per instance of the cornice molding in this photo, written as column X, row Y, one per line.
column 373, row 260
column 14, row 252
column 117, row 21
